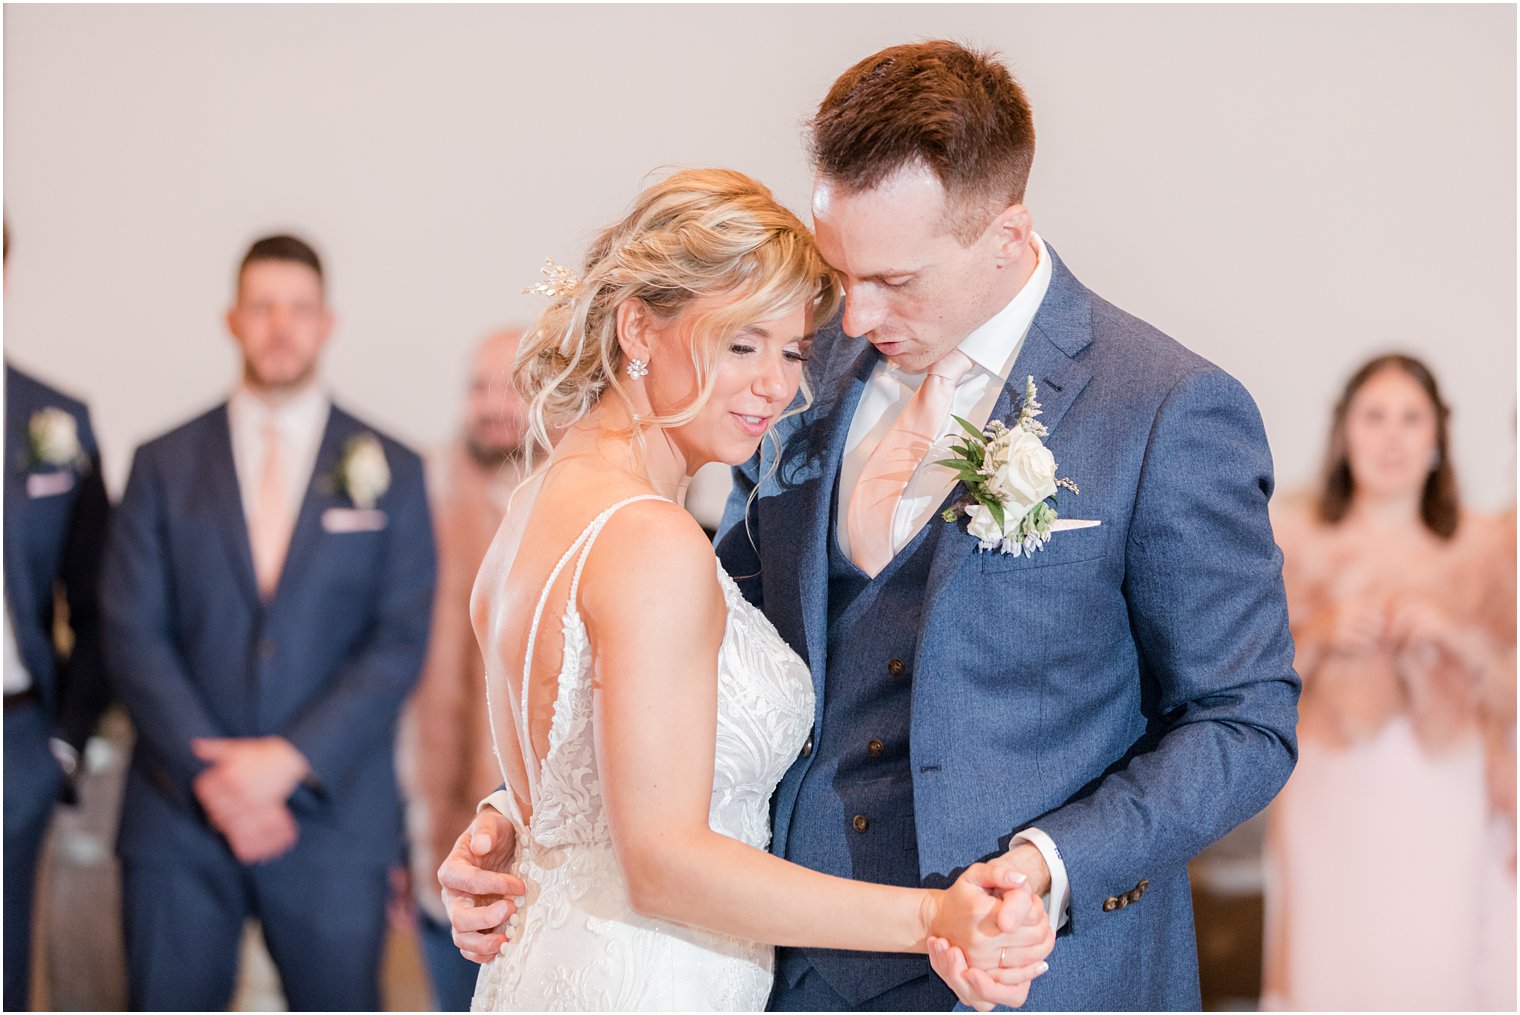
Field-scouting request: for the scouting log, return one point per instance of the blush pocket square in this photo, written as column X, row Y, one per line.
column 352, row 520
column 49, row 484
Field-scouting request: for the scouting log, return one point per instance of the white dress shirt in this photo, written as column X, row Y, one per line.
column 301, row 421
column 992, row 347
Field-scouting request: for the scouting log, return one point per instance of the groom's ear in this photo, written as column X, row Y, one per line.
column 1011, row 230
column 634, row 325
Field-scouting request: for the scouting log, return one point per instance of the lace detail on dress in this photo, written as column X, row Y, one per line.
column 569, row 804
column 580, row 945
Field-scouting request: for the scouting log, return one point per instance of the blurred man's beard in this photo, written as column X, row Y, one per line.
column 259, row 382
column 493, row 456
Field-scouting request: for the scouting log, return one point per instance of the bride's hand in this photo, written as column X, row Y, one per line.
column 989, row 937
column 478, row 893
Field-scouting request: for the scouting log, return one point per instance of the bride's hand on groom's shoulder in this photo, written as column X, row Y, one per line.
column 481, row 897
column 989, row 937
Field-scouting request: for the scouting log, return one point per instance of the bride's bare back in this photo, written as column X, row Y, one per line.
column 547, row 513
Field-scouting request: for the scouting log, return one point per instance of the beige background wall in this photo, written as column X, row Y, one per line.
column 1286, row 189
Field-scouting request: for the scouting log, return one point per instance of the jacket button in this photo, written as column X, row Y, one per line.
column 1110, row 904
column 860, row 823
column 896, row 667
column 875, row 748
column 807, row 747
column 266, row 648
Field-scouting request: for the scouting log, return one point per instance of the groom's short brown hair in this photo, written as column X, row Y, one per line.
column 957, row 111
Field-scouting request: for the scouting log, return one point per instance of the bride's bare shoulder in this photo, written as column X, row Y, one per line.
column 652, row 555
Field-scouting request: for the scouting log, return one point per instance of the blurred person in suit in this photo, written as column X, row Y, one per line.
column 56, row 512
column 444, row 755
column 267, row 588
column 1396, row 597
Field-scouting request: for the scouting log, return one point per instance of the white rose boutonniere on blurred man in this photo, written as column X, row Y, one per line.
column 54, row 438
column 364, row 475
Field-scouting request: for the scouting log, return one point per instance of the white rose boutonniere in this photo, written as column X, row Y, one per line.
column 1011, row 478
column 363, row 474
column 54, row 438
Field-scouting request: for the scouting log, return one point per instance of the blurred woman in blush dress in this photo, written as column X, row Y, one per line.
column 1397, row 599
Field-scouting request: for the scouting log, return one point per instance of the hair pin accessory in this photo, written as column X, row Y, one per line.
column 559, row 282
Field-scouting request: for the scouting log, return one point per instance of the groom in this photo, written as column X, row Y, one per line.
column 1093, row 713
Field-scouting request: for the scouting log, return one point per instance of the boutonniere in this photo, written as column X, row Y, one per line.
column 54, row 437
column 363, row 475
column 1011, row 483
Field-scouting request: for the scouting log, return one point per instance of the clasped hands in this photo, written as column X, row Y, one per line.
column 988, row 933
column 1364, row 626
column 245, row 790
column 989, row 936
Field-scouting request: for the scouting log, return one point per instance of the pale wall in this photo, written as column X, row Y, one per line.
column 1285, row 189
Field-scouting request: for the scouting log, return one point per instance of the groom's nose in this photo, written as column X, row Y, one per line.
column 864, row 310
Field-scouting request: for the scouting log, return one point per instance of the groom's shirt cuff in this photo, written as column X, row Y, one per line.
column 1060, row 889
column 503, row 804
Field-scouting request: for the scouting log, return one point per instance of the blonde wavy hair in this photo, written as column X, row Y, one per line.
column 695, row 234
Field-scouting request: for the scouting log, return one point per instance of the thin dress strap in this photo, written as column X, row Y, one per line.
column 583, row 542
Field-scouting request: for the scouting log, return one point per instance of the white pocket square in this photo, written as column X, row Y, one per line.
column 352, row 520
column 1062, row 524
column 49, row 484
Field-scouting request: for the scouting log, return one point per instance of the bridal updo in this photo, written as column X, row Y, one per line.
column 698, row 233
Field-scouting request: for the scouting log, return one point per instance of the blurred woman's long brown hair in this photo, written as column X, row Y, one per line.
column 1439, row 504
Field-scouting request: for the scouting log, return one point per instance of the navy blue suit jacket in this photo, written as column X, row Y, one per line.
column 55, row 529
column 1129, row 689
column 326, row 663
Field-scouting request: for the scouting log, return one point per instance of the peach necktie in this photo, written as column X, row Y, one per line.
column 888, row 469
column 270, row 534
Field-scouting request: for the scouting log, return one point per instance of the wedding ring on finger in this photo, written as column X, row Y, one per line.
column 1001, row 953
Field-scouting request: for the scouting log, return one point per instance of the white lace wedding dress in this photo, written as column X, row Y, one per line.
column 580, row 946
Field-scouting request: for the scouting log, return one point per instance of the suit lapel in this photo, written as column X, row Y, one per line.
column 227, row 498
column 845, row 386
column 321, row 493
column 1061, row 329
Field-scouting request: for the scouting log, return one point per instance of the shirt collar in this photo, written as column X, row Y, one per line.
column 307, row 409
column 994, row 345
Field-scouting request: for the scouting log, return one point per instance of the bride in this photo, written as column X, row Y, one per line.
column 643, row 712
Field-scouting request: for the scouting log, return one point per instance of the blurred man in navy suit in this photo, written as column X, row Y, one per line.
column 55, row 525
column 267, row 587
